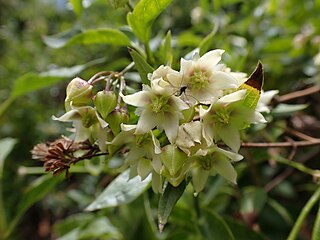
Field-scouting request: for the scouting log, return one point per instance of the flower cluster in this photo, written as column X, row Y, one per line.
column 186, row 123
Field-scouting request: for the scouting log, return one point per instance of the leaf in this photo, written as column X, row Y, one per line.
column 93, row 36
column 212, row 226
column 281, row 210
column 253, row 200
column 284, row 110
column 207, row 41
column 142, row 66
column 100, row 36
column 60, row 39
column 166, row 50
column 143, row 15
column 6, row 145
column 242, row 232
column 35, row 192
column 253, row 86
column 120, row 191
column 167, row 201
column 33, row 81
column 77, row 6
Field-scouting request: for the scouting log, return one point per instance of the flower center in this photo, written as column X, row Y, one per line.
column 222, row 116
column 142, row 139
column 159, row 104
column 198, row 80
column 205, row 162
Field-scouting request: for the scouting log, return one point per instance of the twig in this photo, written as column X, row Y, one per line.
column 297, row 94
column 316, row 141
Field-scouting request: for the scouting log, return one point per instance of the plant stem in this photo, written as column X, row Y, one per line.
column 316, row 227
column 306, row 209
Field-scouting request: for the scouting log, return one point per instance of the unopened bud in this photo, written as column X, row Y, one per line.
column 115, row 118
column 105, row 102
column 173, row 159
column 79, row 92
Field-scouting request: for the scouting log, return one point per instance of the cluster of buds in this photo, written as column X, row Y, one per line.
column 188, row 123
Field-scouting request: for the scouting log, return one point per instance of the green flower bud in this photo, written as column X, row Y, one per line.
column 115, row 118
column 173, row 159
column 79, row 92
column 105, row 102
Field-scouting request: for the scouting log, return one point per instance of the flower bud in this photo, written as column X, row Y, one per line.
column 79, row 92
column 115, row 118
column 105, row 102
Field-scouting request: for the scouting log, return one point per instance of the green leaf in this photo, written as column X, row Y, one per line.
column 166, row 50
column 33, row 81
column 167, row 201
column 281, row 210
column 207, row 41
column 60, row 39
column 212, row 226
column 93, row 36
column 243, row 232
column 143, row 15
column 6, row 145
column 35, row 192
column 77, row 6
column 284, row 110
column 100, row 36
column 120, row 191
column 253, row 200
column 141, row 65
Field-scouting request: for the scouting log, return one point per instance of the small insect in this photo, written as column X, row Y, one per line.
column 182, row 90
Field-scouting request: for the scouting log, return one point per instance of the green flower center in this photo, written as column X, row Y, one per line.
column 143, row 139
column 221, row 115
column 159, row 104
column 205, row 162
column 198, row 80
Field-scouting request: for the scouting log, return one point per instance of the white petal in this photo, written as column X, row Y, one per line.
column 69, row 116
column 138, row 99
column 233, row 97
column 222, row 80
column 225, row 169
column 231, row 155
column 258, row 118
column 267, row 96
column 147, row 121
column 170, row 124
column 210, row 59
column 127, row 127
column 186, row 67
column 207, row 132
column 230, row 136
column 156, row 143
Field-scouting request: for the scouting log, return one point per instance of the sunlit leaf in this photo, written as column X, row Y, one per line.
column 60, row 39
column 143, row 15
column 120, row 191
column 166, row 50
column 77, row 6
column 33, row 81
column 100, row 36
column 141, row 65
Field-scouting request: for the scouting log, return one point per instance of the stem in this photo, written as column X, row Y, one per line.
column 316, row 227
column 281, row 144
column 296, row 165
column 306, row 209
column 4, row 106
column 297, row 94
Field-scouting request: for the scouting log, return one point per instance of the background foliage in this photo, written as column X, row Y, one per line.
column 51, row 38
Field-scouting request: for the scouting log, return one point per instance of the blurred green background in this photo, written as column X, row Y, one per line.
column 284, row 35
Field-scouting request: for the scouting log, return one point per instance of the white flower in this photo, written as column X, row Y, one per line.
column 203, row 79
column 157, row 107
column 212, row 161
column 223, row 119
column 86, row 122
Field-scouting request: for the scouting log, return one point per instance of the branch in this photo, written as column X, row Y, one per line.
column 297, row 94
column 316, row 141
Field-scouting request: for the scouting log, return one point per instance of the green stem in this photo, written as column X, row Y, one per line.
column 316, row 227
column 296, row 165
column 306, row 209
column 4, row 106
